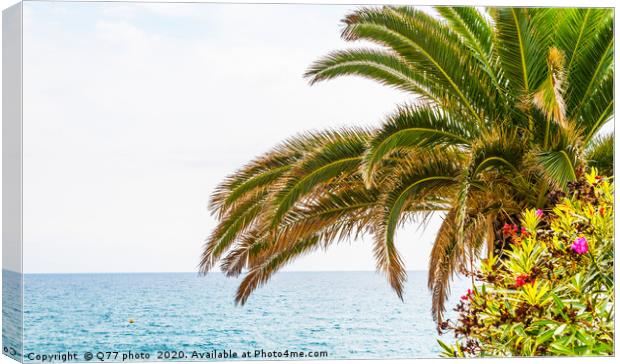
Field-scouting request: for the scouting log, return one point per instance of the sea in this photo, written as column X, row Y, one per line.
column 186, row 317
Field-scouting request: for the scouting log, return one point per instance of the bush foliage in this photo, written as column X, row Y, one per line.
column 551, row 290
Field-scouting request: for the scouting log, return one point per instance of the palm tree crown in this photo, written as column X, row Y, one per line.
column 507, row 106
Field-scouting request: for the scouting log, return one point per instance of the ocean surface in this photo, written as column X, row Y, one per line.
column 334, row 315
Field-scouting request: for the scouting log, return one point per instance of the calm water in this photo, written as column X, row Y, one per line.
column 347, row 314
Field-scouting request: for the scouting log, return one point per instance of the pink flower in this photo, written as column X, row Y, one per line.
column 580, row 245
column 466, row 296
column 540, row 213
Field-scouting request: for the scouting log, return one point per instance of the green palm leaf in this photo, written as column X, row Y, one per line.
column 591, row 64
column 600, row 154
column 559, row 166
column 414, row 127
column 384, row 67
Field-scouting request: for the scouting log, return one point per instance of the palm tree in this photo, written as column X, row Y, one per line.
column 507, row 104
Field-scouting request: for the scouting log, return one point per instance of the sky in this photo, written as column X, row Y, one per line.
column 134, row 112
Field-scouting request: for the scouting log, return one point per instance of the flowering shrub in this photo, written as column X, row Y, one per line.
column 551, row 292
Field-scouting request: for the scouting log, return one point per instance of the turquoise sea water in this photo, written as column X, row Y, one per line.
column 352, row 315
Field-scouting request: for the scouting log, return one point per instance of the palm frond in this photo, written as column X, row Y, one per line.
column 385, row 67
column 450, row 254
column 341, row 154
column 548, row 98
column 261, row 273
column 247, row 247
column 229, row 229
column 600, row 154
column 559, row 166
column 576, row 31
column 263, row 170
column 499, row 158
column 442, row 264
column 414, row 127
column 478, row 36
column 598, row 110
column 522, row 47
column 475, row 30
column 414, row 184
column 430, row 48
column 592, row 64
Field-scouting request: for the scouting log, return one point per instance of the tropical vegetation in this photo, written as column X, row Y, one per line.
column 553, row 294
column 506, row 105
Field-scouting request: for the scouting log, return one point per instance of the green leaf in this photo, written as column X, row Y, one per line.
column 559, row 166
column 545, row 336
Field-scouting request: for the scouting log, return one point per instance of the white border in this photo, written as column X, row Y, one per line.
column 522, row 3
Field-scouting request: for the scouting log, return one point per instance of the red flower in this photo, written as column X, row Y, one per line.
column 601, row 211
column 506, row 229
column 521, row 280
column 510, row 229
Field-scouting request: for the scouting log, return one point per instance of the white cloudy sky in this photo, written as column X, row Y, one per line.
column 133, row 112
